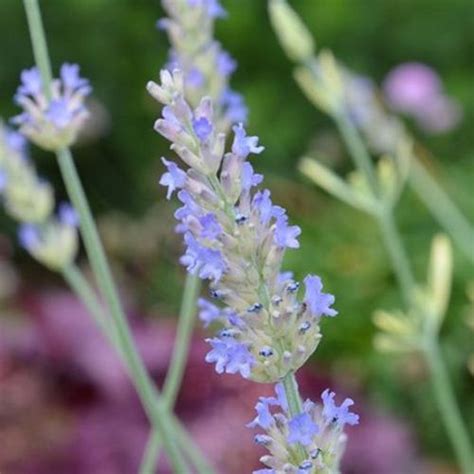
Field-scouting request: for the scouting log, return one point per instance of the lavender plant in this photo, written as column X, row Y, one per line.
column 352, row 103
column 236, row 238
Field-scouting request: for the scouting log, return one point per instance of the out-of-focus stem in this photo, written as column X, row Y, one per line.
column 442, row 208
column 450, row 413
column 176, row 370
column 385, row 217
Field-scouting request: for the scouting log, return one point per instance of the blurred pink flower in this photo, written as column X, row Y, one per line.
column 416, row 89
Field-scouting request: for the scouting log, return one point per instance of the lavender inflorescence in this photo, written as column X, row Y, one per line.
column 318, row 429
column 52, row 118
column 236, row 238
column 205, row 65
column 50, row 238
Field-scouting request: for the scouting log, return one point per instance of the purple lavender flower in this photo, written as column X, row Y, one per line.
column 230, row 357
column 302, row 429
column 29, row 236
column 68, row 215
column 3, row 180
column 339, row 415
column 319, row 303
column 226, row 65
column 31, row 83
column 248, row 178
column 72, row 81
column 285, row 235
column 243, row 145
column 213, row 7
column 174, row 178
column 202, row 128
column 208, row 263
column 211, row 228
column 52, row 121
column 209, row 312
column 234, row 106
column 264, row 418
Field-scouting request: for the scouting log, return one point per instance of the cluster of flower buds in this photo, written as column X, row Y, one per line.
column 50, row 239
column 236, row 238
column 52, row 118
column 311, row 442
column 206, row 66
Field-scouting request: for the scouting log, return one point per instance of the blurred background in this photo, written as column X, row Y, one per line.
column 65, row 404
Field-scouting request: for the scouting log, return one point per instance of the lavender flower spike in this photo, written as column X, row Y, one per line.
column 52, row 121
column 206, row 67
column 236, row 238
column 317, row 432
column 28, row 199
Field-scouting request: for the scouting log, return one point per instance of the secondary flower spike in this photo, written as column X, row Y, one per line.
column 317, row 432
column 205, row 65
column 52, row 119
column 236, row 238
column 29, row 199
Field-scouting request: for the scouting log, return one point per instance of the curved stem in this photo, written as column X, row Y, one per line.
column 442, row 208
column 176, row 370
column 398, row 256
column 450, row 413
column 392, row 239
column 143, row 384
column 76, row 281
column 81, row 287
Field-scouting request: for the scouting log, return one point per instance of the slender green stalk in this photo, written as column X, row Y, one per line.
column 398, row 256
column 292, row 394
column 38, row 42
column 147, row 392
column 445, row 398
column 85, row 293
column 391, row 236
column 143, row 384
column 176, row 370
column 82, row 289
column 450, row 413
column 358, row 152
column 442, row 208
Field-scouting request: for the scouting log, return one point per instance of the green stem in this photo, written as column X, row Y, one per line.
column 398, row 256
column 386, row 221
column 76, row 281
column 450, row 413
column 85, row 293
column 155, row 410
column 443, row 390
column 176, row 370
column 147, row 392
column 292, row 394
column 38, row 42
column 442, row 208
column 358, row 152
column 294, row 406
